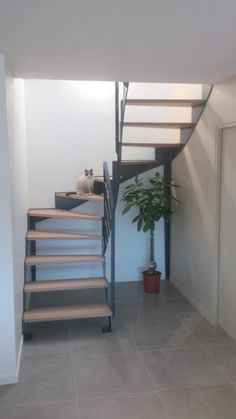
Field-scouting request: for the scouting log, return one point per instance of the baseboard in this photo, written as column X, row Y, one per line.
column 13, row 378
column 195, row 303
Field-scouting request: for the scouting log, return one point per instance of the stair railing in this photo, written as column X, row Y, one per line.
column 120, row 117
column 120, row 103
column 109, row 230
column 111, row 189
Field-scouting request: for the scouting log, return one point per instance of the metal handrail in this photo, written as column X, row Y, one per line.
column 109, row 229
column 122, row 118
column 111, row 189
column 119, row 123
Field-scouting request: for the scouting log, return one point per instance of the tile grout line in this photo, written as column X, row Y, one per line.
column 190, row 332
column 203, row 347
column 178, row 347
column 74, row 377
column 228, row 380
column 151, row 380
column 157, row 392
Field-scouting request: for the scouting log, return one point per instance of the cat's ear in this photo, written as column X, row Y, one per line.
column 86, row 172
column 91, row 172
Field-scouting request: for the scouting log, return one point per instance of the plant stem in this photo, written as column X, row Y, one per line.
column 152, row 264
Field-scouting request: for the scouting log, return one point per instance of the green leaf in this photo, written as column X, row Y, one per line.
column 146, row 227
column 136, row 218
column 153, row 200
column 140, row 222
column 127, row 208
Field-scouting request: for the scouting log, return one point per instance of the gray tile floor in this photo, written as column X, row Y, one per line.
column 163, row 361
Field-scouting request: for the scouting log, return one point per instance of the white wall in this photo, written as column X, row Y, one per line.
column 13, row 204
column 70, row 126
column 193, row 238
column 19, row 191
column 7, row 322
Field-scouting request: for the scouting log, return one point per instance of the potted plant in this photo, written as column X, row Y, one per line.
column 153, row 200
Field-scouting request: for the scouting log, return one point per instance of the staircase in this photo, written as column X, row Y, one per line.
column 142, row 134
column 33, row 260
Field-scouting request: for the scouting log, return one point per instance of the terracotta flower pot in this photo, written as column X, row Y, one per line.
column 151, row 282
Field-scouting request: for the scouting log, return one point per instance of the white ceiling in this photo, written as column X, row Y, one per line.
column 130, row 40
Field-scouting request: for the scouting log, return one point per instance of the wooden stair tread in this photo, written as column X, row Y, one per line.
column 60, row 259
column 54, row 235
column 155, row 145
column 166, row 102
column 81, row 197
column 60, row 213
column 168, row 125
column 66, row 313
column 65, row 284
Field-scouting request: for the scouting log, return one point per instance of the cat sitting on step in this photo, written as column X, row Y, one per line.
column 85, row 183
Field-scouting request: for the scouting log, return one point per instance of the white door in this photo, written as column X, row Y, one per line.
column 227, row 259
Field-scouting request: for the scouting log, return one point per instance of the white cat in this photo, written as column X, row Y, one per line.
column 85, row 183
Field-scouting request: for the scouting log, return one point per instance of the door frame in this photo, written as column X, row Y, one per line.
column 215, row 257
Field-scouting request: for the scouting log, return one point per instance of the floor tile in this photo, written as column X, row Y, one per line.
column 49, row 340
column 166, row 326
column 62, row 410
column 154, row 311
column 167, row 293
column 207, row 334
column 129, row 292
column 110, row 374
column 103, row 375
column 43, row 381
column 141, row 406
column 148, row 336
column 133, row 292
column 86, row 327
column 99, row 343
column 225, row 355
column 214, row 402
column 4, row 392
column 182, row 309
column 185, row 367
column 191, row 321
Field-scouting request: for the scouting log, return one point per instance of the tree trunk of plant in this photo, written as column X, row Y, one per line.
column 152, row 263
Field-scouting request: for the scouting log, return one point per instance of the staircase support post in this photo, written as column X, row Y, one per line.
column 167, row 224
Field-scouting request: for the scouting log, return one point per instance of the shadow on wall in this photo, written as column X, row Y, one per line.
column 192, row 224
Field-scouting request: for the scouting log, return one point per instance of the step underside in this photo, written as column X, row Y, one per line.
column 150, row 145
column 54, row 235
column 166, row 102
column 60, row 213
column 66, row 313
column 65, row 285
column 168, row 125
column 62, row 259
